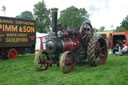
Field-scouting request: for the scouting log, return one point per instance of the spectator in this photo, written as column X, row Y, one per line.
column 116, row 48
column 122, row 44
column 123, row 50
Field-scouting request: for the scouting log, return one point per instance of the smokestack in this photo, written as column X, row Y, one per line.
column 54, row 20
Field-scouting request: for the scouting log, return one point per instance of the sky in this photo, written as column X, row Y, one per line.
column 108, row 13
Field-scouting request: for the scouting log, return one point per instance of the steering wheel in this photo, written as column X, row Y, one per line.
column 86, row 32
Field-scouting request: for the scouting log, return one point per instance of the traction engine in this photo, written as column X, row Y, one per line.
column 68, row 47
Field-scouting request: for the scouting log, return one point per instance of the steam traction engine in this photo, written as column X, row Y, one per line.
column 73, row 46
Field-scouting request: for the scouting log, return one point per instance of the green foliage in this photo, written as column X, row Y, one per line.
column 95, row 30
column 72, row 17
column 102, row 28
column 42, row 17
column 21, row 71
column 125, row 23
column 121, row 29
column 26, row 15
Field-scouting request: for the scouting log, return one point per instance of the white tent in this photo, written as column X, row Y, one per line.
column 38, row 39
column 41, row 34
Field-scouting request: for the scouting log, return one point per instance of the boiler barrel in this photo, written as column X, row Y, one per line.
column 58, row 46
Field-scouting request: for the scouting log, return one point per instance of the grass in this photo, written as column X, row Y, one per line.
column 21, row 72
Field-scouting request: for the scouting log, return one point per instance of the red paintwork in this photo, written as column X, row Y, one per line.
column 12, row 54
column 104, row 36
column 65, row 33
column 44, row 62
column 110, row 41
column 71, row 44
column 41, row 43
column 69, row 63
column 101, row 52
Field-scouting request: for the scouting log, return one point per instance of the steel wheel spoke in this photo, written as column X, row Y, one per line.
column 101, row 55
column 97, row 59
column 102, row 48
column 84, row 36
column 86, row 41
column 98, row 45
column 84, row 31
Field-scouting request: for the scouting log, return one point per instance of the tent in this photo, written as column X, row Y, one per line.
column 40, row 37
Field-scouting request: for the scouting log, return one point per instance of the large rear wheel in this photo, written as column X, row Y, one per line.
column 97, row 51
column 67, row 62
column 86, row 32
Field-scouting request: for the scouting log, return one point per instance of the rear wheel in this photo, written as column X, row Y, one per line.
column 97, row 51
column 12, row 53
column 67, row 62
column 86, row 32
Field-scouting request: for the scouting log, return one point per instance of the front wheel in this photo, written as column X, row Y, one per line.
column 97, row 51
column 42, row 61
column 67, row 62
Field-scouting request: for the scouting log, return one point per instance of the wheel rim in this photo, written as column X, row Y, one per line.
column 42, row 61
column 12, row 54
column 100, row 52
column 86, row 33
column 67, row 62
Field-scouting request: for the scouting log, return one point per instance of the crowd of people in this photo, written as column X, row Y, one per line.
column 120, row 48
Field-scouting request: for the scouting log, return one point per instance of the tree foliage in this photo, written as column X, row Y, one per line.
column 121, row 29
column 26, row 15
column 3, row 9
column 102, row 28
column 125, row 23
column 42, row 17
column 72, row 17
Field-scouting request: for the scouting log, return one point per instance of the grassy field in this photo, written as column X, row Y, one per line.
column 21, row 72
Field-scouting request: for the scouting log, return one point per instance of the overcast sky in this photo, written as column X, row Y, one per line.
column 102, row 12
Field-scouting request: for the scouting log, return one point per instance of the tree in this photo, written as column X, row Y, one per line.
column 26, row 15
column 102, row 28
column 3, row 9
column 42, row 17
column 125, row 23
column 95, row 29
column 120, row 29
column 72, row 17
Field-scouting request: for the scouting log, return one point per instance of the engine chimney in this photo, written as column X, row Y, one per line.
column 54, row 20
